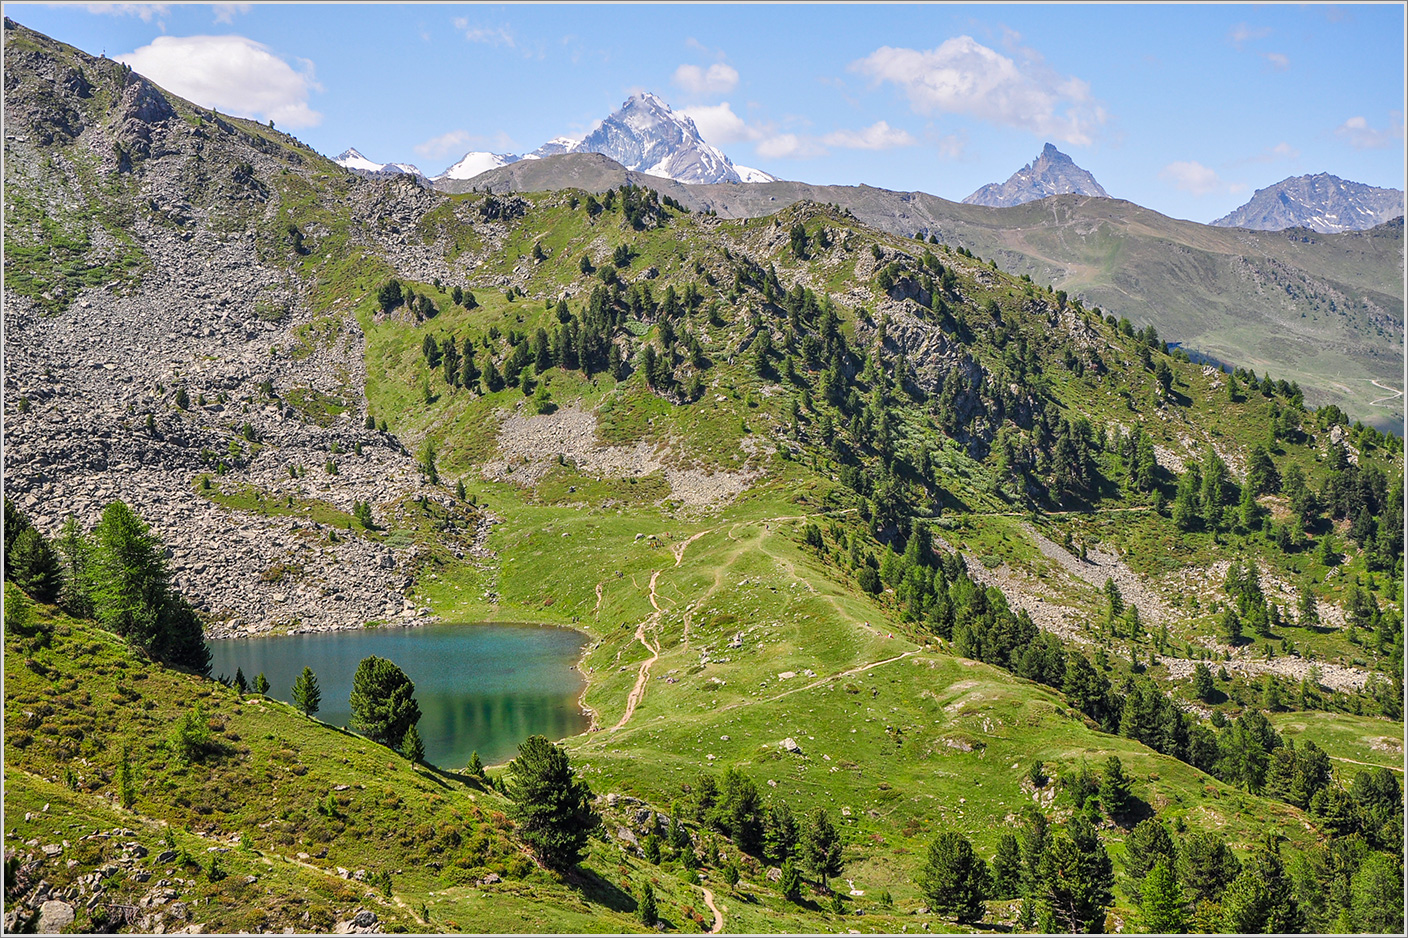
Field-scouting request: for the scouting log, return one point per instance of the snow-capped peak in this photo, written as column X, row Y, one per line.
column 352, row 159
column 749, row 174
column 643, row 135
column 476, row 162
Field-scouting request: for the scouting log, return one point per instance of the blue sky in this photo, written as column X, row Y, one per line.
column 1185, row 109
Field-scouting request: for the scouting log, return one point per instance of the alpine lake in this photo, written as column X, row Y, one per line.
column 481, row 687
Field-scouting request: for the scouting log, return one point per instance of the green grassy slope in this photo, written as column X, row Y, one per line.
column 712, row 540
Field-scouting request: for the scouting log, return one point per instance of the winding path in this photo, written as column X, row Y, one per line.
column 718, row 915
column 1393, row 393
column 643, row 677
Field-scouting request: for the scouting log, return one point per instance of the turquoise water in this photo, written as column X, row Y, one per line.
column 480, row 687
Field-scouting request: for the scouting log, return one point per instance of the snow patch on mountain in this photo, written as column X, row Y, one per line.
column 476, row 162
column 643, row 135
column 351, row 159
column 749, row 174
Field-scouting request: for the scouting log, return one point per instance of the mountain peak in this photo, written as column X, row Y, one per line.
column 1051, row 173
column 352, row 158
column 644, row 135
column 1320, row 202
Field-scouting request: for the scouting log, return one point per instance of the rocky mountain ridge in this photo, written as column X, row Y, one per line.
column 1328, row 306
column 644, row 135
column 1323, row 203
column 1051, row 173
column 351, row 159
column 211, row 360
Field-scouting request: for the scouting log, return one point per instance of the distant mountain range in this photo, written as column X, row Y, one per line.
column 643, row 135
column 355, row 161
column 1051, row 173
column 1324, row 310
column 1323, row 203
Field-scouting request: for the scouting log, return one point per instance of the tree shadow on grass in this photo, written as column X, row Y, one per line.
column 596, row 888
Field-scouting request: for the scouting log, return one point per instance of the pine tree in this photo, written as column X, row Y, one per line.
column 306, row 693
column 646, row 910
column 1161, row 910
column 821, row 847
column 552, row 808
column 412, row 747
column 1260, row 900
column 475, row 768
column 241, row 684
column 954, row 879
column 77, row 550
column 132, row 597
column 383, row 701
column 126, row 779
column 1075, row 880
column 34, row 566
column 1147, row 843
column 1203, row 685
column 790, row 882
column 1115, row 788
column 261, row 684
column 1206, row 866
column 1006, row 868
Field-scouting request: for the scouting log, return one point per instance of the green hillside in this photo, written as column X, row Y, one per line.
column 855, row 523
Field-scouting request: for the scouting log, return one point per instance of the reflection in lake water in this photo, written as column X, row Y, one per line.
column 480, row 687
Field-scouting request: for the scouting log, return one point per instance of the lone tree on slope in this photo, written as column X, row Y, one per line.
column 383, row 702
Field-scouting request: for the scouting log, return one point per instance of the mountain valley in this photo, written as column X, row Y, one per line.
column 885, row 518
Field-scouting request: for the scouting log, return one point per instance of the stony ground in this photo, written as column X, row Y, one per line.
column 531, row 445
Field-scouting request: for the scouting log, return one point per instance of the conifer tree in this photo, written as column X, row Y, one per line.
column 821, row 847
column 383, row 701
column 412, row 747
column 646, row 910
column 1006, row 868
column 954, row 879
column 552, row 808
column 1161, row 909
column 306, row 693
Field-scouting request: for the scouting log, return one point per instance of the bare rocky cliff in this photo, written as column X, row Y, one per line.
column 162, row 328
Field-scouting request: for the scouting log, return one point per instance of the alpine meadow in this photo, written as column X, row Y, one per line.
column 923, row 583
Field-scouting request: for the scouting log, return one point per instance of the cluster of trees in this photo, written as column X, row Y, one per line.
column 116, row 574
column 642, row 208
column 1192, row 883
column 394, row 293
column 1063, row 875
column 934, row 588
column 770, row 831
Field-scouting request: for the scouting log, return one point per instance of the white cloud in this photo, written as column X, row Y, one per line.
column 1281, row 152
column 438, row 147
column 461, row 141
column 1243, row 33
column 1278, row 61
column 1194, row 177
column 1358, row 134
column 878, row 136
column 718, row 124
column 490, row 35
column 950, row 146
column 226, row 12
column 794, row 146
column 232, row 74
column 716, row 79
column 962, row 76
column 146, row 12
